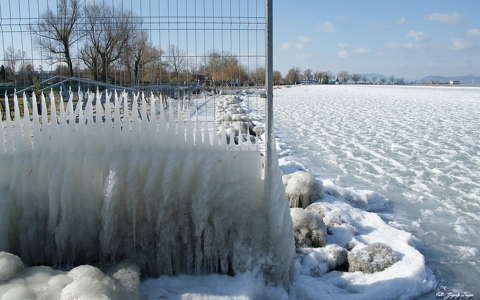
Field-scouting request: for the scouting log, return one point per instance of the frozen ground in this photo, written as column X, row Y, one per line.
column 419, row 146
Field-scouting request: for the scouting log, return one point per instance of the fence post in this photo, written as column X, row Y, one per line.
column 269, row 139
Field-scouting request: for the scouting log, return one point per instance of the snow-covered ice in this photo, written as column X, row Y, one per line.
column 416, row 146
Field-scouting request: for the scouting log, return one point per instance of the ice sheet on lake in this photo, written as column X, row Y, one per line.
column 418, row 146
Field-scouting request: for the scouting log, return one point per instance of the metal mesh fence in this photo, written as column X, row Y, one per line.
column 189, row 50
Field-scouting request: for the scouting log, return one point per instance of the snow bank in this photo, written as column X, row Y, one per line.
column 210, row 287
column 364, row 199
column 350, row 228
column 81, row 283
column 128, row 180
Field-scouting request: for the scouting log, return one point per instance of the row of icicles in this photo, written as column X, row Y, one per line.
column 127, row 111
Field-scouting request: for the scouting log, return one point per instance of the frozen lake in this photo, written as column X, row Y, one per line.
column 419, row 146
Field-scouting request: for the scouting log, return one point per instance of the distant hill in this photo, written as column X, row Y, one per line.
column 467, row 79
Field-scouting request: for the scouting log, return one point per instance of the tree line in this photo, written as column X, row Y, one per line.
column 109, row 45
column 295, row 76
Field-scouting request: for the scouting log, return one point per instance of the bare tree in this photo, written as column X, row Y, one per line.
column 258, row 76
column 107, row 38
column 139, row 53
column 225, row 69
column 91, row 59
column 12, row 58
column 293, row 75
column 57, row 32
column 308, row 74
column 323, row 77
column 277, row 77
column 383, row 80
column 392, row 80
column 343, row 77
column 356, row 78
column 176, row 60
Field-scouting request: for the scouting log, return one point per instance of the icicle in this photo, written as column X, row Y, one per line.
column 44, row 112
column 79, row 109
column 26, row 110
column 53, row 108
column 62, row 114
column 70, row 112
column 116, row 110
column 35, row 117
column 135, row 110
column 127, row 114
column 153, row 109
column 89, row 116
column 99, row 111
column 108, row 107
column 144, row 109
column 16, row 111
column 8, row 118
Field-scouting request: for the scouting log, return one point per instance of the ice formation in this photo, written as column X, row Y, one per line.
column 81, row 283
column 302, row 189
column 119, row 177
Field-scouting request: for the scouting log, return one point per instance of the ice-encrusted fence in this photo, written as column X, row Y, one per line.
column 124, row 176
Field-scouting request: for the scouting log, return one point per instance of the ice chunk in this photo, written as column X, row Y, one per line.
column 10, row 265
column 17, row 292
column 373, row 258
column 309, row 229
column 317, row 261
column 301, row 188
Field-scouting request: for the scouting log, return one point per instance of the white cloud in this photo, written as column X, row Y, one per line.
column 448, row 18
column 299, row 43
column 408, row 46
column 473, row 32
column 304, row 39
column 342, row 45
column 460, row 44
column 327, row 27
column 402, row 21
column 346, row 53
column 360, row 51
column 417, row 35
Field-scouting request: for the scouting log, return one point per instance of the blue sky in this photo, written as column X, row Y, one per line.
column 405, row 38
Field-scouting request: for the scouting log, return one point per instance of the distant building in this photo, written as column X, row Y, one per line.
column 454, row 82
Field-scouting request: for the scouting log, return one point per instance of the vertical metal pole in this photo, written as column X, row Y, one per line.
column 269, row 141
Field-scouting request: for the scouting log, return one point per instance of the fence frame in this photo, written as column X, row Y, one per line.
column 269, row 142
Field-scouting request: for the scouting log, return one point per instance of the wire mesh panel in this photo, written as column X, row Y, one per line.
column 208, row 54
